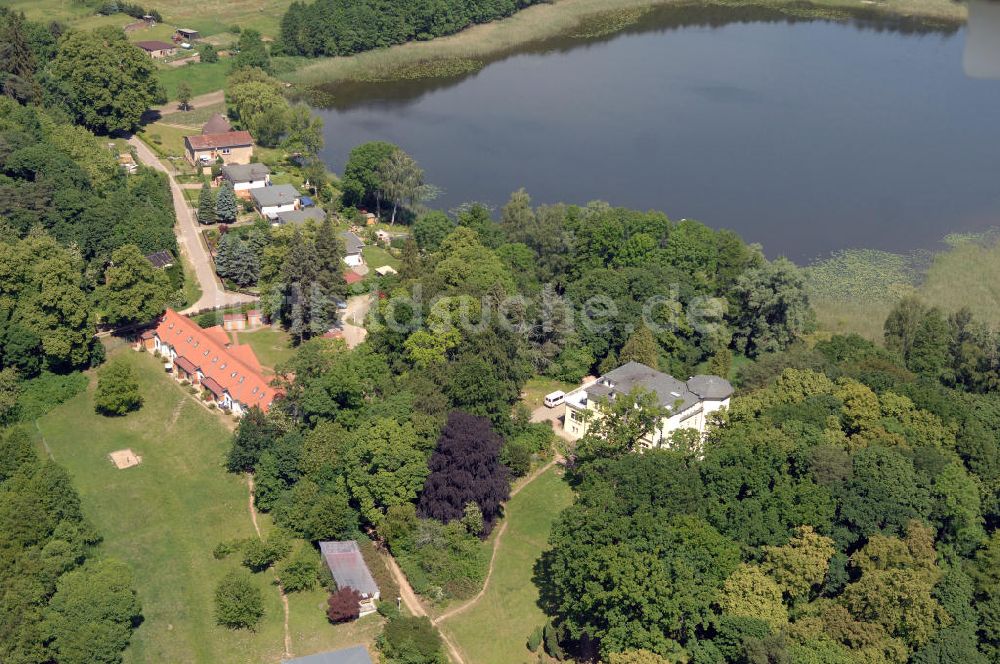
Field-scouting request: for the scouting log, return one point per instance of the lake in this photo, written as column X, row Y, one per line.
column 807, row 137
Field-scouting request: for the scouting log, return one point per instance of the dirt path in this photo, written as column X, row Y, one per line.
column 414, row 606
column 213, row 294
column 496, row 547
column 281, row 590
column 207, row 99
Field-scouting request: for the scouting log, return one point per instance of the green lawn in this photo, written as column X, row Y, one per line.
column 270, row 344
column 196, row 117
column 165, row 140
column 534, row 391
column 207, row 16
column 494, row 630
column 201, row 76
column 166, row 515
column 377, row 257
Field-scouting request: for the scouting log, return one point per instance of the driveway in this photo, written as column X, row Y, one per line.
column 554, row 416
column 353, row 319
column 213, row 294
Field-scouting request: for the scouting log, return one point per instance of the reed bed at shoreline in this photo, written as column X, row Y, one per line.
column 470, row 50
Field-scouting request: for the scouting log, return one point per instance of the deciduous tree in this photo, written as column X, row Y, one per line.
column 465, row 468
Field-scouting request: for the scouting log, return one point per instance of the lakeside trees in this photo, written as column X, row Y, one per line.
column 326, row 27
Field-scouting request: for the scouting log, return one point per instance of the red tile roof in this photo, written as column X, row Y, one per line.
column 218, row 335
column 230, row 139
column 233, row 316
column 185, row 364
column 234, row 369
column 352, row 277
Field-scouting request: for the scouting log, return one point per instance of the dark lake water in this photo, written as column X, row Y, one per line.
column 807, row 137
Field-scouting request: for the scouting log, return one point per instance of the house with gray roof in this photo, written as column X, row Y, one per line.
column 278, row 198
column 352, row 248
column 301, row 216
column 245, row 177
column 687, row 404
column 352, row 655
column 349, row 570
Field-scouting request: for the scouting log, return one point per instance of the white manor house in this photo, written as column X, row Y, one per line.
column 688, row 403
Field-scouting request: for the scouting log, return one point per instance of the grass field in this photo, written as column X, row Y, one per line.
column 270, row 344
column 195, row 117
column 471, row 49
column 377, row 257
column 495, row 629
column 166, row 515
column 166, row 140
column 202, row 77
column 534, row 391
column 207, row 16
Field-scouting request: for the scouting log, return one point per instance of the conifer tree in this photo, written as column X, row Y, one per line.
column 226, row 205
column 206, row 205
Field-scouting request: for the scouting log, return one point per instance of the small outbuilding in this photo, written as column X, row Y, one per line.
column 161, row 259
column 352, row 655
column 187, row 34
column 157, row 49
column 349, row 570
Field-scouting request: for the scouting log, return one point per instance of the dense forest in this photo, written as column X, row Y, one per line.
column 334, row 27
column 845, row 511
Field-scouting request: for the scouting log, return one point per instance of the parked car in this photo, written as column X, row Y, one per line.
column 554, row 399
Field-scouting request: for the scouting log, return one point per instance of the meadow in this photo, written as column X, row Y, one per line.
column 495, row 629
column 207, row 16
column 165, row 516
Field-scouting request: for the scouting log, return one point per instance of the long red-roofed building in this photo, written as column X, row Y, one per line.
column 205, row 357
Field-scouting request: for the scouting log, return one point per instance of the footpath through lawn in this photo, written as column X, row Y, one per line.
column 496, row 629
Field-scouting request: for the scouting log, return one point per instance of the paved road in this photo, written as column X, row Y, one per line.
column 213, row 294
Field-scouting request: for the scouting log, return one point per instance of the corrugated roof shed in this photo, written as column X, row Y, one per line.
column 348, row 567
column 352, row 655
column 161, row 259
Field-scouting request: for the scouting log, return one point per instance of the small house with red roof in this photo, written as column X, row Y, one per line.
column 205, row 357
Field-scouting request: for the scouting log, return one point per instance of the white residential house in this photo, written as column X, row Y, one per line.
column 245, row 177
column 689, row 403
column 352, row 246
column 272, row 200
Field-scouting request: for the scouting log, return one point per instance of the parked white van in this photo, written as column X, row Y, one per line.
column 554, row 399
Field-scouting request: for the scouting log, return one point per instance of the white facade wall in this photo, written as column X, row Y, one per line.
column 273, row 210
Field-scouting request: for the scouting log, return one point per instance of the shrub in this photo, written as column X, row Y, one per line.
column 238, row 602
column 225, row 549
column 117, row 390
column 259, row 554
column 300, row 572
column 412, row 640
column 343, row 605
column 535, row 639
